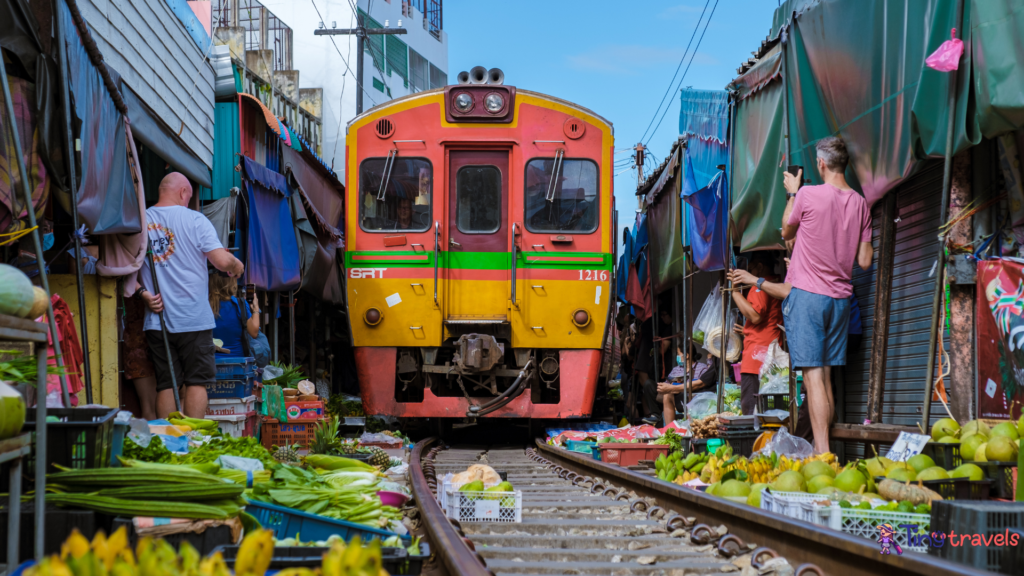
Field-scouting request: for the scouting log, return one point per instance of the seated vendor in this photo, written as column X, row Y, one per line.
column 668, row 395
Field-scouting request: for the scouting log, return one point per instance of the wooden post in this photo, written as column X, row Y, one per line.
column 960, row 383
column 883, row 302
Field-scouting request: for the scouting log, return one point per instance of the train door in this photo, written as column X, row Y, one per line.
column 478, row 243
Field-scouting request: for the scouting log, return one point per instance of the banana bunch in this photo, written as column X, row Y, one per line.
column 198, row 424
column 673, row 468
column 352, row 559
column 760, row 469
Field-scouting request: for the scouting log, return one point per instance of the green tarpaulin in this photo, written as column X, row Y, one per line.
column 665, row 226
column 997, row 29
column 757, row 156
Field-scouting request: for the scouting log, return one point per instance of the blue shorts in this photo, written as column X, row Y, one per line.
column 816, row 328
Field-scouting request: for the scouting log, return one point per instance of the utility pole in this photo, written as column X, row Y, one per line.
column 638, row 160
column 361, row 33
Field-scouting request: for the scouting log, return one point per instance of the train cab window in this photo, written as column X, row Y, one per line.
column 478, row 199
column 573, row 203
column 395, row 199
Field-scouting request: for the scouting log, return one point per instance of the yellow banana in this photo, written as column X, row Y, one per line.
column 75, row 546
column 350, row 560
column 190, row 558
column 214, row 566
column 331, row 564
column 255, row 553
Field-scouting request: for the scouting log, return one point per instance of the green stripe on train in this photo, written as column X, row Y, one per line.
column 475, row 260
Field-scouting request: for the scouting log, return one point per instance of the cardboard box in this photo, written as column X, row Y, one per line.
column 304, row 410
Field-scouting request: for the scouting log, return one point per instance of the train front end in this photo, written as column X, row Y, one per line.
column 479, row 242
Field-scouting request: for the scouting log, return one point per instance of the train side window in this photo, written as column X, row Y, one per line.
column 405, row 201
column 478, row 199
column 574, row 204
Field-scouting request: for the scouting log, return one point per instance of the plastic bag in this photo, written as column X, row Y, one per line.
column 379, row 438
column 774, row 373
column 731, row 399
column 947, row 57
column 713, row 338
column 271, row 372
column 785, row 444
column 704, row 404
column 273, row 402
column 239, row 463
column 712, row 309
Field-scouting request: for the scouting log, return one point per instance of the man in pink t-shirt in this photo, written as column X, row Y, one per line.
column 832, row 227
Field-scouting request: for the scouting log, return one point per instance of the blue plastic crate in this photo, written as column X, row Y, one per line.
column 117, row 446
column 230, row 388
column 595, row 451
column 580, row 446
column 289, row 523
column 235, row 367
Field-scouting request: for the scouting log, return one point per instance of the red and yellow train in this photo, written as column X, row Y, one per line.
column 479, row 247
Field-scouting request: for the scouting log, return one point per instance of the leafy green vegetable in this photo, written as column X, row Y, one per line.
column 292, row 375
column 155, row 452
column 339, row 406
column 227, row 446
column 23, row 369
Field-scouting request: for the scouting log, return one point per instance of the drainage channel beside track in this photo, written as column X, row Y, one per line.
column 587, row 518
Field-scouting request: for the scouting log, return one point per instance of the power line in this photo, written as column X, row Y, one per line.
column 672, row 81
column 341, row 101
column 697, row 47
column 347, row 67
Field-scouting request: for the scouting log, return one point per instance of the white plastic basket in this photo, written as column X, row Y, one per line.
column 865, row 523
column 485, row 506
column 796, row 505
column 446, row 488
column 230, row 406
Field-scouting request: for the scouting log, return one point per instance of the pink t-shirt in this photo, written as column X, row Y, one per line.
column 833, row 223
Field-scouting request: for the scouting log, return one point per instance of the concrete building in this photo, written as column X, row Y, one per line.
column 393, row 65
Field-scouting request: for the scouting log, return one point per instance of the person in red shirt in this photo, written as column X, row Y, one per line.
column 763, row 317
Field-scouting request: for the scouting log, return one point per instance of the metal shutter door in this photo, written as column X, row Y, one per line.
column 917, row 207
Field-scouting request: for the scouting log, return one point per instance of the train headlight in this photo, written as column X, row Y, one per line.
column 464, row 102
column 581, row 318
column 494, row 103
column 372, row 316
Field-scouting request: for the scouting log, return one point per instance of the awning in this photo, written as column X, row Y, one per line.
column 268, row 116
column 704, row 120
column 707, row 221
column 158, row 137
column 667, row 171
column 768, row 68
column 272, row 252
column 665, row 229
column 106, row 197
column 325, row 195
column 758, row 160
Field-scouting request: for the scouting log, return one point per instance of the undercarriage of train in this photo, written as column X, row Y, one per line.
column 483, row 368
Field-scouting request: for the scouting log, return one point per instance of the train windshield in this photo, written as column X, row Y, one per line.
column 572, row 204
column 395, row 194
column 478, row 208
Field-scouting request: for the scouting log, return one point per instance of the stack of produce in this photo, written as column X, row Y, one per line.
column 979, row 442
column 675, row 468
column 205, row 453
column 114, row 556
column 478, row 486
column 707, row 427
column 340, row 488
column 919, row 467
column 342, row 407
column 146, row 489
column 326, row 442
column 18, row 297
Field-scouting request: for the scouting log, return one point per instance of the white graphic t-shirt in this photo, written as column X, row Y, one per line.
column 181, row 238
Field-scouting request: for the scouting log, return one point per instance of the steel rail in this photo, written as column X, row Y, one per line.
column 447, row 543
column 834, row 552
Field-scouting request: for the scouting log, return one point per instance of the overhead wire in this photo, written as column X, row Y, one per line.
column 341, row 100
column 671, row 82
column 683, row 77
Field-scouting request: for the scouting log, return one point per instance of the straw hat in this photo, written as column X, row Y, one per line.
column 734, row 347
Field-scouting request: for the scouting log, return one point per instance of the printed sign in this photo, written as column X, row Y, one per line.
column 1000, row 325
column 487, row 509
column 907, row 445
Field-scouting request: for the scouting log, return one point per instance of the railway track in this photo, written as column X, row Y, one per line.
column 584, row 517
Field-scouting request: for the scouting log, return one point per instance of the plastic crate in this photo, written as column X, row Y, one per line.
column 982, row 518
column 581, row 427
column 83, row 437
column 624, row 455
column 1012, row 561
column 237, row 425
column 395, row 561
column 595, row 452
column 742, row 442
column 960, row 488
column 235, row 367
column 944, row 455
column 865, row 523
column 766, row 402
column 274, row 433
column 580, row 446
column 57, row 527
column 1001, row 474
column 230, row 388
column 504, row 507
column 229, row 406
column 797, row 505
column 205, row 542
column 291, row 523
column 117, row 444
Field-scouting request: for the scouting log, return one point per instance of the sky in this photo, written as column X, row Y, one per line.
column 615, row 58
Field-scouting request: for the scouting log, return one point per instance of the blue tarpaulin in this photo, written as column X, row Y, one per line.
column 704, row 120
column 707, row 220
column 624, row 268
column 272, row 252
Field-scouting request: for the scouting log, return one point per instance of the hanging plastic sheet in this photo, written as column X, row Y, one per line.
column 106, row 197
column 638, row 289
column 272, row 252
column 12, row 200
column 325, row 193
column 664, row 215
column 624, row 271
column 758, row 154
column 318, row 239
column 996, row 71
column 707, row 220
column 704, row 120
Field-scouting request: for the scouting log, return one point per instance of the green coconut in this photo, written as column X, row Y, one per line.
column 902, row 473
column 944, row 428
column 817, row 468
column 16, row 294
column 971, row 471
column 850, row 480
column 12, row 411
column 733, row 488
column 920, row 462
column 789, row 481
column 1005, row 429
column 814, row 485
column 933, row 473
column 976, row 427
column 969, row 444
column 1000, row 449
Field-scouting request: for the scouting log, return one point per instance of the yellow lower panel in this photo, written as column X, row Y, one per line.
column 484, row 299
column 410, row 320
column 544, row 316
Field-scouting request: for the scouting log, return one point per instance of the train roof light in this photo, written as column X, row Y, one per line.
column 464, row 103
column 494, row 102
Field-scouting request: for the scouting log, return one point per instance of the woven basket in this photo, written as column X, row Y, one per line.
column 735, row 346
